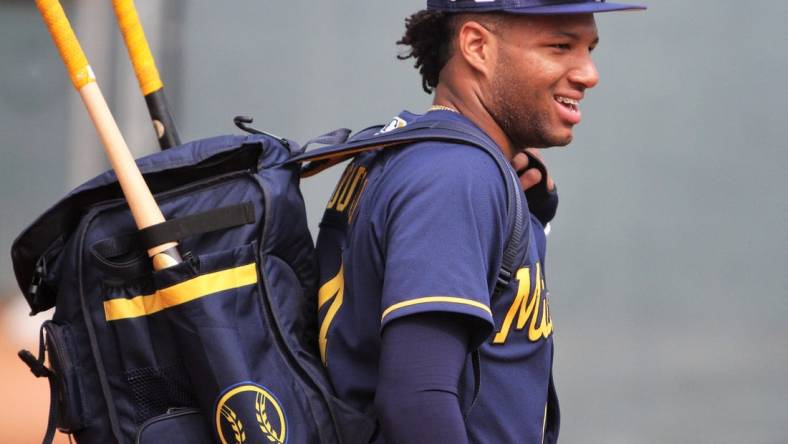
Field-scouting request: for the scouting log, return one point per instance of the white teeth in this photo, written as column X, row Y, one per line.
column 568, row 101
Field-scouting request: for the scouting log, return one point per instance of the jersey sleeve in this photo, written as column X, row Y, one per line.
column 442, row 231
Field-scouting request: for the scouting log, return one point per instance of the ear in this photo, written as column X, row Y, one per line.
column 477, row 46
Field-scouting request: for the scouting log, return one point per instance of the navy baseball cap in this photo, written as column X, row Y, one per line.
column 535, row 7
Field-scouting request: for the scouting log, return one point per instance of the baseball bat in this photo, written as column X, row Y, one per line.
column 140, row 199
column 151, row 86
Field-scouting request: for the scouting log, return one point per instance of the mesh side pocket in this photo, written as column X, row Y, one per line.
column 157, row 389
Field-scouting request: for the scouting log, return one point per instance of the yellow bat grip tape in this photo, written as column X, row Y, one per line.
column 66, row 42
column 137, row 46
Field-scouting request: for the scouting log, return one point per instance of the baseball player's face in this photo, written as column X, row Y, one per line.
column 542, row 71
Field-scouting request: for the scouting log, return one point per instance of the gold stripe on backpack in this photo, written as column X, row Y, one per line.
column 195, row 288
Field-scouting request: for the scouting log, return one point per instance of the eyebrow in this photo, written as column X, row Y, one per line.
column 573, row 36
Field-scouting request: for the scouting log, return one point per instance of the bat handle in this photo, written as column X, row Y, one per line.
column 147, row 74
column 137, row 46
column 77, row 65
column 139, row 197
column 163, row 123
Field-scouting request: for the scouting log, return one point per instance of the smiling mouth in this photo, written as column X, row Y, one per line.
column 570, row 104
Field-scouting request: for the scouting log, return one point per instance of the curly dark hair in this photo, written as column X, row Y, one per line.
column 429, row 35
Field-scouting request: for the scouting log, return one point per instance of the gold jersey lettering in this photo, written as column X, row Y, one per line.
column 346, row 191
column 526, row 307
column 332, row 291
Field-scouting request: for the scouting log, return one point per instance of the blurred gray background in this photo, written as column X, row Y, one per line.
column 667, row 260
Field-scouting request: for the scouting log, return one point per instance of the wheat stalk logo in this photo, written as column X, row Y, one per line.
column 262, row 419
column 269, row 414
column 235, row 424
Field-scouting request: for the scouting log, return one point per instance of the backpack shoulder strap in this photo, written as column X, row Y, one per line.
column 322, row 158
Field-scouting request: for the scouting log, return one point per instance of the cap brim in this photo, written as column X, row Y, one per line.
column 574, row 8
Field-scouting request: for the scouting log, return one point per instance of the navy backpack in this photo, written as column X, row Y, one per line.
column 223, row 346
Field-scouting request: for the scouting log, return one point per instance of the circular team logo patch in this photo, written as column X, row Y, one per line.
column 249, row 413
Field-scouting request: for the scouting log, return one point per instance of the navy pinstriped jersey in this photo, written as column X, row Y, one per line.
column 420, row 229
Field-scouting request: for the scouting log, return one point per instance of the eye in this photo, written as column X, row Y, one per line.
column 562, row 46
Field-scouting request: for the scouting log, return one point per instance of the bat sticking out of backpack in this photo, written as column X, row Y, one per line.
column 148, row 78
column 139, row 197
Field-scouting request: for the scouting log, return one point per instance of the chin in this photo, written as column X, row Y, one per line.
column 561, row 139
column 567, row 140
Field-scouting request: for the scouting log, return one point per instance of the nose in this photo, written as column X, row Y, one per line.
column 585, row 73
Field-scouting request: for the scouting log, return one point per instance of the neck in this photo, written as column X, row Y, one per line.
column 467, row 103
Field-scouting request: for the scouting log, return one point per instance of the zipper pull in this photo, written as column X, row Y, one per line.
column 36, row 366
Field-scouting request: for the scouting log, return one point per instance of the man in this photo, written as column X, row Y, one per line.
column 412, row 239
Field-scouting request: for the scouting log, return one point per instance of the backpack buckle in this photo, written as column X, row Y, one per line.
column 503, row 280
